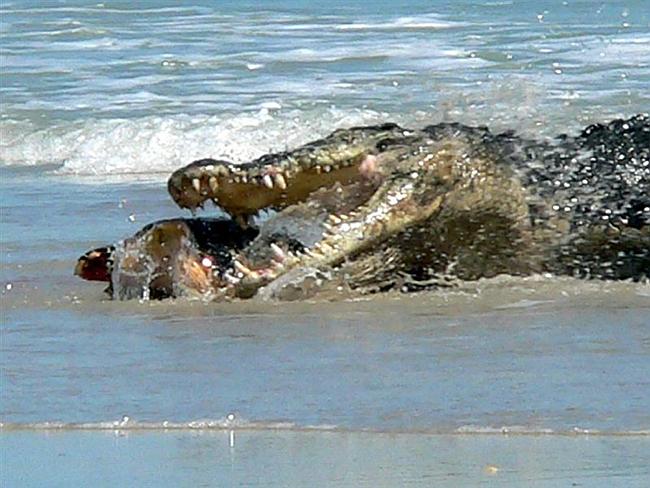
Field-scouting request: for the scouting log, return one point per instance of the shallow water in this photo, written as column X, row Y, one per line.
column 462, row 358
column 321, row 459
column 101, row 101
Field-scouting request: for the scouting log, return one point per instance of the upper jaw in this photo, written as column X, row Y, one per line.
column 244, row 190
column 282, row 179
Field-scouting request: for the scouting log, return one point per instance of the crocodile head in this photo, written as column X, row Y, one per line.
column 281, row 179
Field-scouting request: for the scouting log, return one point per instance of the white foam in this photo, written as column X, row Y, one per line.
column 158, row 145
column 421, row 22
column 228, row 423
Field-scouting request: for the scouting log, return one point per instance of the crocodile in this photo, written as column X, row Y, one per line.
column 376, row 208
column 449, row 200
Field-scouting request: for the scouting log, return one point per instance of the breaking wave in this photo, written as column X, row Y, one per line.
column 233, row 422
column 158, row 145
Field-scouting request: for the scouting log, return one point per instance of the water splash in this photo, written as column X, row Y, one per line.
column 133, row 273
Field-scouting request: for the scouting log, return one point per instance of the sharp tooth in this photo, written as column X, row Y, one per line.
column 196, row 184
column 318, row 169
column 209, row 168
column 327, row 168
column 334, row 219
column 323, row 247
column 242, row 221
column 277, row 250
column 241, row 268
column 244, row 179
column 214, row 183
column 313, row 253
column 268, row 182
column 280, row 181
column 328, row 226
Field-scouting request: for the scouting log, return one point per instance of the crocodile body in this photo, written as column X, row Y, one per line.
column 383, row 207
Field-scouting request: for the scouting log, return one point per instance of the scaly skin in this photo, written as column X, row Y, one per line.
column 462, row 201
column 426, row 189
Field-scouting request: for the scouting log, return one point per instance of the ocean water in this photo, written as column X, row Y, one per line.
column 523, row 381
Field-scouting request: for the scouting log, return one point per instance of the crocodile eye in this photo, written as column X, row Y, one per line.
column 384, row 144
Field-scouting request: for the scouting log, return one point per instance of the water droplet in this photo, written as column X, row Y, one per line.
column 9, row 286
column 132, row 218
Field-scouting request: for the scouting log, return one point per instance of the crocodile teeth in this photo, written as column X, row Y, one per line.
column 328, row 227
column 268, row 182
column 241, row 268
column 244, row 270
column 318, row 169
column 277, row 250
column 280, row 181
column 196, row 183
column 334, row 219
column 327, row 168
column 214, row 183
column 323, row 247
column 313, row 253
